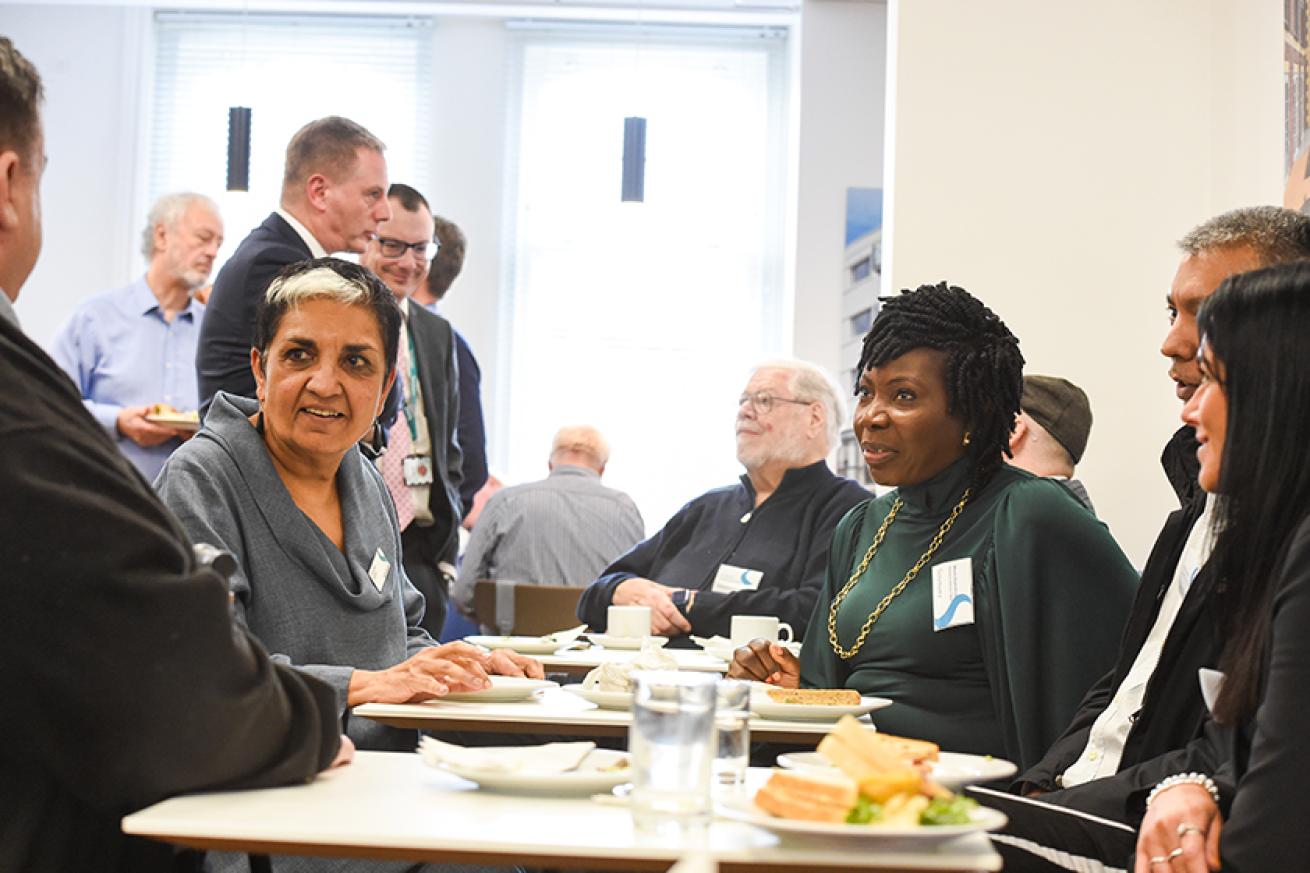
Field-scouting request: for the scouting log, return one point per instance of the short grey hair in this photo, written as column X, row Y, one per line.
column 583, row 439
column 812, row 383
column 168, row 210
column 1276, row 234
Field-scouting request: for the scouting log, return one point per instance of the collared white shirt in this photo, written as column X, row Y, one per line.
column 315, row 248
column 1105, row 743
column 7, row 311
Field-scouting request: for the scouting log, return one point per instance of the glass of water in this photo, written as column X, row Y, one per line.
column 672, row 747
column 732, row 731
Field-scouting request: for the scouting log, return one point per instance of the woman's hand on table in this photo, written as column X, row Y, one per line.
column 504, row 662
column 1180, row 832
column 768, row 662
column 665, row 617
column 423, row 676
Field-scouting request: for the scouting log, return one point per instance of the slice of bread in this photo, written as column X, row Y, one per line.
column 808, row 796
column 816, row 696
column 881, row 764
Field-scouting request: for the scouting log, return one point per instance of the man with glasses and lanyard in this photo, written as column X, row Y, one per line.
column 422, row 463
column 759, row 547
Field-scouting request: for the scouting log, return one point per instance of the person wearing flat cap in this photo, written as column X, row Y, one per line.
column 1050, row 431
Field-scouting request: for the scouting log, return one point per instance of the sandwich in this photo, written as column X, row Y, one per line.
column 816, row 696
column 882, row 765
column 807, row 795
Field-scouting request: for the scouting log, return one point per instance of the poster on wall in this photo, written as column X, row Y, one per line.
column 1296, row 131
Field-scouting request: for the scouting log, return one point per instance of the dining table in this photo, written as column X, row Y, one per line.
column 557, row 712
column 392, row 806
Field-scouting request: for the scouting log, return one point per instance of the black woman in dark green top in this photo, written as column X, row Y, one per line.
column 982, row 600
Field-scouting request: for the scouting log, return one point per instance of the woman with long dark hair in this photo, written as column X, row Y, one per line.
column 1243, row 807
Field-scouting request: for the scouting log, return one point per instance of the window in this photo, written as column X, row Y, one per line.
column 289, row 70
column 643, row 318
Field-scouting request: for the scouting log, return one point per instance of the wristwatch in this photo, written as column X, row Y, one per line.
column 683, row 598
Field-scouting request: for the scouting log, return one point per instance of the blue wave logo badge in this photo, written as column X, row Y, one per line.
column 944, row 620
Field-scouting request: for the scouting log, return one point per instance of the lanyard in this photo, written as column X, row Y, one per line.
column 409, row 392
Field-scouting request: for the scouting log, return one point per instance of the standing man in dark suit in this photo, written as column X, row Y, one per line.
column 422, row 462
column 445, row 268
column 334, row 193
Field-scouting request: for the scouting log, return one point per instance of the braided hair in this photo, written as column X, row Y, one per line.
column 984, row 369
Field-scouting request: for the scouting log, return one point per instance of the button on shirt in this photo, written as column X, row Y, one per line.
column 121, row 352
column 1105, row 742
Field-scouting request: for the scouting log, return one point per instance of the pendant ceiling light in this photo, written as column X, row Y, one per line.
column 238, row 148
column 634, row 159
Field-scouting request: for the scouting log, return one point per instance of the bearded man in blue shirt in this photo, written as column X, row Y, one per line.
column 134, row 347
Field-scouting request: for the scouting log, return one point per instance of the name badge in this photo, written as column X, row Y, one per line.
column 418, row 470
column 730, row 579
column 379, row 570
column 952, row 594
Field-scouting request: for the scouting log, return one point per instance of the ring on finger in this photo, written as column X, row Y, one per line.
column 1157, row 859
column 1175, row 853
column 1185, row 829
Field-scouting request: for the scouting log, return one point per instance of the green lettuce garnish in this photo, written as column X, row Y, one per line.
column 864, row 811
column 948, row 811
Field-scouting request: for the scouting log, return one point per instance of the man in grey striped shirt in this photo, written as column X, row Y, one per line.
column 561, row 530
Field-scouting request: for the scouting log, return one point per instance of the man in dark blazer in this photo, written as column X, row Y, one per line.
column 422, row 462
column 334, row 191
column 1134, row 725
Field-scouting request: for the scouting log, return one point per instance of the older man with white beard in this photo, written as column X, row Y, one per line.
column 758, row 547
column 134, row 347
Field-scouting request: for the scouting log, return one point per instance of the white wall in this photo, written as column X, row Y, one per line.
column 842, row 79
column 1045, row 156
column 90, row 59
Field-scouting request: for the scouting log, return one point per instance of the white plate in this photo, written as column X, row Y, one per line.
column 503, row 690
column 522, row 645
column 952, row 770
column 634, row 643
column 603, row 699
column 744, row 809
column 762, row 705
column 591, row 776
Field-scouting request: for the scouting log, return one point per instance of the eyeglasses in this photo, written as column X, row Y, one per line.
column 761, row 402
column 395, row 248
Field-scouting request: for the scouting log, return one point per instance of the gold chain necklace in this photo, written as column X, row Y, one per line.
column 847, row 654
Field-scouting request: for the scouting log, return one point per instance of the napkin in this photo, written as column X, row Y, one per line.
column 565, row 637
column 618, row 677
column 550, row 758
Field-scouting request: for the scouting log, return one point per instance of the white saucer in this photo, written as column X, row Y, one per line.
column 603, row 699
column 601, row 770
column 765, row 707
column 632, row 643
column 504, row 689
column 522, row 645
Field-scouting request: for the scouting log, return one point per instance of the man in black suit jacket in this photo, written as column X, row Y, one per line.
column 1122, row 742
column 333, row 196
column 425, row 483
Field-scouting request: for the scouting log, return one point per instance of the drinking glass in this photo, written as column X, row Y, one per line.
column 672, row 747
column 732, row 713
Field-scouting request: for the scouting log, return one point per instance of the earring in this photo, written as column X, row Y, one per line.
column 965, row 441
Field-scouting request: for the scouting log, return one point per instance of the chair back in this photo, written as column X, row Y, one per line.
column 524, row 609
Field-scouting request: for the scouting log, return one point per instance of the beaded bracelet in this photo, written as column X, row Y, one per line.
column 1185, row 779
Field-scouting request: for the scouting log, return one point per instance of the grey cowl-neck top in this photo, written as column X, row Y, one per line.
column 311, row 604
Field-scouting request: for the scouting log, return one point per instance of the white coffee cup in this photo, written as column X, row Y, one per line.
column 628, row 621
column 754, row 627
